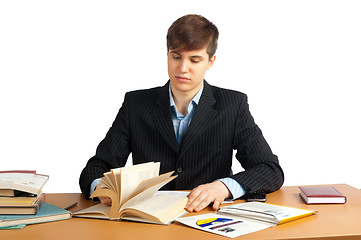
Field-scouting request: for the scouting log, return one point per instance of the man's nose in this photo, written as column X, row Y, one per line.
column 184, row 66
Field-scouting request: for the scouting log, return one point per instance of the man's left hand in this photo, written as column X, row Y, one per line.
column 201, row 196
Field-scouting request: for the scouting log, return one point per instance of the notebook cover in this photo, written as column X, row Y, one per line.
column 321, row 192
column 46, row 213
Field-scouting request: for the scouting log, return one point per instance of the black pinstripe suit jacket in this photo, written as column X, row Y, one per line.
column 222, row 122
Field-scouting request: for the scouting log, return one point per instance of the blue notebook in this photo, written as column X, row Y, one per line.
column 46, row 213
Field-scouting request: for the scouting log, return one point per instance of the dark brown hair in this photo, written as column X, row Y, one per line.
column 192, row 32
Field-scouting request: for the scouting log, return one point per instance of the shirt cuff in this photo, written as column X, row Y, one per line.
column 234, row 187
column 92, row 188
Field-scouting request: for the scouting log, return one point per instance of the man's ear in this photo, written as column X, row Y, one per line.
column 211, row 62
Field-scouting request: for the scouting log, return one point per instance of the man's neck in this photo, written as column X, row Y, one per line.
column 182, row 99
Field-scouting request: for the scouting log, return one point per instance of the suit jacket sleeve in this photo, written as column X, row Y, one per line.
column 112, row 151
column 262, row 169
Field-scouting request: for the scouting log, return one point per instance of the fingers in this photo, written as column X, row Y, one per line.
column 216, row 204
column 198, row 200
column 100, row 185
column 105, row 200
column 200, row 197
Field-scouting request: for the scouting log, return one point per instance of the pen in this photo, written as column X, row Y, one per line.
column 71, row 205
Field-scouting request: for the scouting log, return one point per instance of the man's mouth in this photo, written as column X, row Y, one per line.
column 182, row 78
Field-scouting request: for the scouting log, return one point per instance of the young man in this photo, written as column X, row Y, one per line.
column 190, row 127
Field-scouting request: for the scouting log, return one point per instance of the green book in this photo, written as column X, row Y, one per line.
column 47, row 213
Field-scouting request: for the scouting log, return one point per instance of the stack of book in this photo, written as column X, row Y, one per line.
column 20, row 192
column 22, row 201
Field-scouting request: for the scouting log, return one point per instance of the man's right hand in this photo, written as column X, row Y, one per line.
column 103, row 199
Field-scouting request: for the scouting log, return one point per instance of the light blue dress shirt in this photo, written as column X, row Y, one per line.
column 181, row 124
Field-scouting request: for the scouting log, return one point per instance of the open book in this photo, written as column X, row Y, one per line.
column 240, row 219
column 132, row 190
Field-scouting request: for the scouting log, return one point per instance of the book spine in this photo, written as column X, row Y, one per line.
column 39, row 202
column 19, row 171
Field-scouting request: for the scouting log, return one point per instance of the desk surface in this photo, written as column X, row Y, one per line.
column 332, row 222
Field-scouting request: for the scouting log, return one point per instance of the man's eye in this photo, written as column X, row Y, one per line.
column 195, row 61
column 176, row 57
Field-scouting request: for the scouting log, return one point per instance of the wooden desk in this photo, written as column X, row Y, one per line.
column 332, row 222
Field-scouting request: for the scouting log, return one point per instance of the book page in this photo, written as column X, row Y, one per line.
column 163, row 207
column 27, row 182
column 260, row 216
column 174, row 193
column 109, row 181
column 149, row 182
column 132, row 176
column 6, row 192
column 116, row 178
column 146, row 194
column 19, row 201
column 15, row 177
column 96, row 211
column 255, row 210
column 38, row 181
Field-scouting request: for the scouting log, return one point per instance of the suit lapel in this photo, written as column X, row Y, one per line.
column 162, row 118
column 201, row 119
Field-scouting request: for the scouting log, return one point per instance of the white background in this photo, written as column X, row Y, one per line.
column 66, row 65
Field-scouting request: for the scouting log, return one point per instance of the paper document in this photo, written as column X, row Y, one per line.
column 225, row 225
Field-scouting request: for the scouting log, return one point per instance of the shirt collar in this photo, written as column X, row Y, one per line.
column 195, row 99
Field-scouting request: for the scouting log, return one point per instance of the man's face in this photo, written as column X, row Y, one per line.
column 186, row 70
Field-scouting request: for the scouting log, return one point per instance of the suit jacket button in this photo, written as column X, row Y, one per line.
column 179, row 170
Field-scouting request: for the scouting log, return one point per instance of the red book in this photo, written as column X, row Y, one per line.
column 321, row 195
